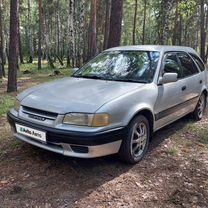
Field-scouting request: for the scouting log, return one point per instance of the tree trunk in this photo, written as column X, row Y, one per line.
column 20, row 45
column 76, row 35
column 115, row 23
column 175, row 29
column 71, row 40
column 134, row 24
column 144, row 22
column 13, row 46
column 89, row 37
column 40, row 34
column 180, row 31
column 203, row 32
column 58, row 31
column 166, row 8
column 206, row 29
column 94, row 28
column 2, row 61
column 107, row 23
column 47, row 24
column 30, row 34
column 81, row 33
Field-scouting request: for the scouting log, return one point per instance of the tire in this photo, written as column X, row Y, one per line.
column 200, row 108
column 132, row 152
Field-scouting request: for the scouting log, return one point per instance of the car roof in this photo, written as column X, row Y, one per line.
column 159, row 48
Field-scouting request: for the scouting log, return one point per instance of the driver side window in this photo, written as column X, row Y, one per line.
column 172, row 65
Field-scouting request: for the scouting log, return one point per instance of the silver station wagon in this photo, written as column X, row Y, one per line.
column 114, row 103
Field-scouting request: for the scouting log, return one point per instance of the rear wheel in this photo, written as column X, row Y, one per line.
column 135, row 146
column 200, row 108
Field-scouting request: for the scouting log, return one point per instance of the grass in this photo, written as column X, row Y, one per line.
column 203, row 136
column 6, row 102
column 200, row 133
column 46, row 71
column 36, row 73
column 173, row 151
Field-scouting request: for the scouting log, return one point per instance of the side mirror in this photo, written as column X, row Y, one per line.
column 74, row 69
column 168, row 78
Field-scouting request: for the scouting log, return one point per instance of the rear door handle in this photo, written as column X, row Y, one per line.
column 183, row 88
column 200, row 82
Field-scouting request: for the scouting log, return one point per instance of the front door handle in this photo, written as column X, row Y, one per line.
column 183, row 88
column 200, row 82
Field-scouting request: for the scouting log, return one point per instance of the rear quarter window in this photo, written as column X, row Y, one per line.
column 188, row 66
column 198, row 61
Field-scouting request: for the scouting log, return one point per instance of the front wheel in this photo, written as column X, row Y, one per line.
column 135, row 146
column 200, row 108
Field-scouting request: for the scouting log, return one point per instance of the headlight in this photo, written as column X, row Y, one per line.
column 82, row 119
column 17, row 105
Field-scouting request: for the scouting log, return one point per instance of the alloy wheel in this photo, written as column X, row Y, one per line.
column 138, row 139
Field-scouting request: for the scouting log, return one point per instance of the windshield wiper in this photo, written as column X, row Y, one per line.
column 87, row 76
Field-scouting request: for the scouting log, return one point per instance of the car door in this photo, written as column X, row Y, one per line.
column 170, row 96
column 193, row 80
column 201, row 67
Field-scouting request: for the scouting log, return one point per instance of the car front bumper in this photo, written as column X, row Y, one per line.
column 71, row 143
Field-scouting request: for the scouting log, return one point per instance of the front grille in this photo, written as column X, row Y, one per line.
column 39, row 114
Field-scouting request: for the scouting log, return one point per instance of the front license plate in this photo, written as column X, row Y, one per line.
column 33, row 133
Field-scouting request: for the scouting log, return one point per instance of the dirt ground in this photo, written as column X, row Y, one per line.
column 173, row 174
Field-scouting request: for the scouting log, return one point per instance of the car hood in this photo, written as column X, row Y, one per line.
column 74, row 94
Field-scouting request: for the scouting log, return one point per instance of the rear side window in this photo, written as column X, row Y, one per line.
column 172, row 65
column 198, row 61
column 188, row 66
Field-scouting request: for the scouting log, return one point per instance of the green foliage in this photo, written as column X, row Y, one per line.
column 6, row 102
column 43, row 75
column 173, row 151
column 187, row 6
column 203, row 135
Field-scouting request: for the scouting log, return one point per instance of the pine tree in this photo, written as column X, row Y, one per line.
column 13, row 46
column 115, row 23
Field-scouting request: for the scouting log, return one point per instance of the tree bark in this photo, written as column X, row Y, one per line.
column 71, row 39
column 47, row 30
column 2, row 61
column 94, row 28
column 81, row 32
column 175, row 30
column 115, row 23
column 166, row 8
column 206, row 30
column 134, row 24
column 20, row 45
column 107, row 23
column 13, row 46
column 144, row 22
column 40, row 34
column 30, row 34
column 58, row 31
column 203, row 32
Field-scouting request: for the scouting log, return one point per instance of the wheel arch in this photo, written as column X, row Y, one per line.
column 147, row 113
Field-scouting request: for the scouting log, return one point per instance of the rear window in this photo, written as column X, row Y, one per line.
column 198, row 61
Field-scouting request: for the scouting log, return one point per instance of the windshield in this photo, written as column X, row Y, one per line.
column 130, row 66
